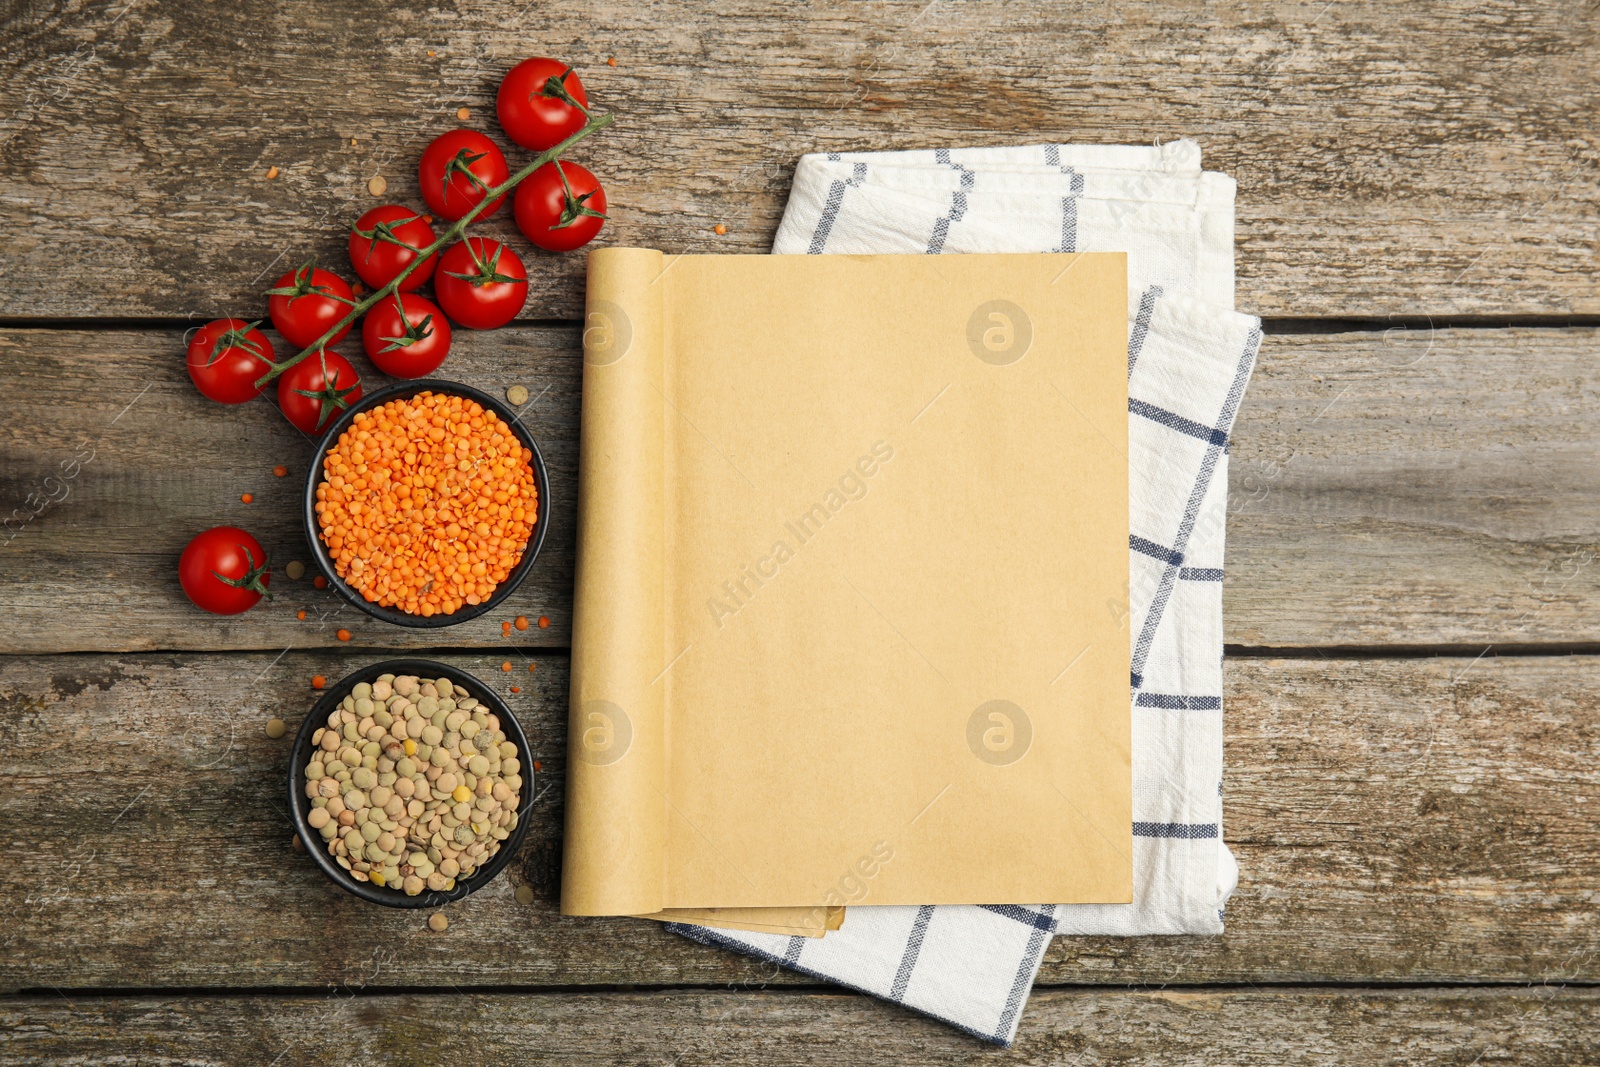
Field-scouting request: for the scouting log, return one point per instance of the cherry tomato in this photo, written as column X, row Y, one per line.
column 481, row 283
column 313, row 392
column 224, row 571
column 457, row 170
column 305, row 304
column 226, row 357
column 385, row 241
column 536, row 103
column 560, row 206
column 406, row 336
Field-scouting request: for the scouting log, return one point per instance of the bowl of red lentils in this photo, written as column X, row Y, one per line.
column 427, row 504
column 409, row 783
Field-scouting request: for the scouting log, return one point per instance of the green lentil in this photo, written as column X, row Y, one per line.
column 390, row 816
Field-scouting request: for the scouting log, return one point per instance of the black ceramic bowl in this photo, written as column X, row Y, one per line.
column 530, row 552
column 300, row 805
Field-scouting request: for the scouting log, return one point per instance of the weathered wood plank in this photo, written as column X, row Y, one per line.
column 1417, row 487
column 1437, row 157
column 166, row 464
column 1396, row 820
column 1412, row 488
column 1270, row 1027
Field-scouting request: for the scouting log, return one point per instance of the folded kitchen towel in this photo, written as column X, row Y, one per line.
column 1189, row 359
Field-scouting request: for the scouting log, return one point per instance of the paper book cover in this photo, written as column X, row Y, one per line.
column 852, row 573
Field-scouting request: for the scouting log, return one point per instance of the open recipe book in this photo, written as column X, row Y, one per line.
column 852, row 571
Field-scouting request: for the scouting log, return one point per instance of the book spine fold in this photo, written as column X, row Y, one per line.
column 614, row 859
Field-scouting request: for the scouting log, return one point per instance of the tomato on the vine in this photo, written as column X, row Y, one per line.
column 305, row 304
column 224, row 570
column 226, row 357
column 560, row 206
column 385, row 241
column 457, row 170
column 313, row 392
column 406, row 336
column 541, row 103
column 481, row 283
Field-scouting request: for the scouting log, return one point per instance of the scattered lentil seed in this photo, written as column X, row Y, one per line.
column 611, row 61
column 544, row 622
column 463, row 114
column 295, row 570
column 719, row 229
column 246, row 498
column 343, row 635
column 437, row 922
column 280, row 471
column 272, row 172
column 276, row 728
column 516, row 689
column 301, row 614
column 506, row 666
column 297, row 844
column 517, row 395
column 378, row 185
column 524, row 894
column 318, row 681
column 522, row 622
column 320, row 582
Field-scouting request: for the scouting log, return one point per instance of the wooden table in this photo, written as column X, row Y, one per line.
column 1412, row 727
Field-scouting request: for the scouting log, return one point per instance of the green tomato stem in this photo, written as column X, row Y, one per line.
column 455, row 230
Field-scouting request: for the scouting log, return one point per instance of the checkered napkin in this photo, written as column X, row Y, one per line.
column 1189, row 358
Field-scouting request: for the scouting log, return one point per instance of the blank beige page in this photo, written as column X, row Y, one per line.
column 883, row 662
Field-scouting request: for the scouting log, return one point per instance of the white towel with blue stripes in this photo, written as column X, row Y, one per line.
column 1189, row 358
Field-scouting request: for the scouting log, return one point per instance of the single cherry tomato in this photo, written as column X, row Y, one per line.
column 224, row 571
column 313, row 392
column 226, row 357
column 481, row 283
column 456, row 172
column 385, row 241
column 406, row 336
column 541, row 103
column 306, row 303
column 560, row 206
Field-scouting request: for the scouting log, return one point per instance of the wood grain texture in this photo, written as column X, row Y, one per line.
column 1409, row 488
column 1267, row 1027
column 1434, row 158
column 1402, row 821
column 1419, row 487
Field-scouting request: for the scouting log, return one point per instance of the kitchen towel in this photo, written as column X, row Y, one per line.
column 1189, row 359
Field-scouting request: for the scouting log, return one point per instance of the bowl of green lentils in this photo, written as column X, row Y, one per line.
column 409, row 782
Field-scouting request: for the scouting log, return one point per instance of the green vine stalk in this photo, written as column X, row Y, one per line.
column 454, row 231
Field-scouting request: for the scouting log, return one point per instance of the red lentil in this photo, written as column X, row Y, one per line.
column 427, row 503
